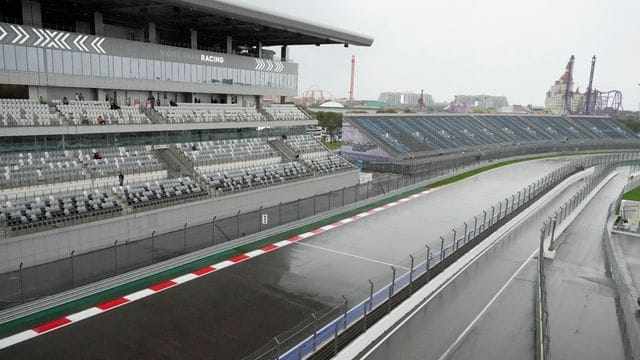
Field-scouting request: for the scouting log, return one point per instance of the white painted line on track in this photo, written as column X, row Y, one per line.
column 464, row 333
column 352, row 255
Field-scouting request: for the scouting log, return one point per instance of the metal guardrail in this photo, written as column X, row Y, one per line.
column 626, row 298
column 541, row 311
column 328, row 337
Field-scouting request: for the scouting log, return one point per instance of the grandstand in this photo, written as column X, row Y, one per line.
column 182, row 115
column 390, row 138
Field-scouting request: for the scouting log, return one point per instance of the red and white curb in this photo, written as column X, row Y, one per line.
column 141, row 294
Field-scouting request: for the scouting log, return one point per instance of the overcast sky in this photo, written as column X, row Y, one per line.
column 499, row 47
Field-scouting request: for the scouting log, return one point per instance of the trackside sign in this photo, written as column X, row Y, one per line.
column 212, row 58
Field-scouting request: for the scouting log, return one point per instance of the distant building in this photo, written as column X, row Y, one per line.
column 404, row 99
column 481, row 102
column 555, row 96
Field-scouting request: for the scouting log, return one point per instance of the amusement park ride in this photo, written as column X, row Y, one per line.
column 596, row 102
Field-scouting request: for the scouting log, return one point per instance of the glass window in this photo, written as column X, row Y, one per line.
column 21, row 58
column 67, row 62
column 187, row 72
column 57, row 61
column 104, row 65
column 117, row 66
column 86, row 64
column 50, row 61
column 110, row 62
column 181, row 72
column 207, row 76
column 10, row 57
column 76, row 63
column 134, row 69
column 199, row 76
column 146, row 69
column 194, row 70
column 32, row 59
column 126, row 68
column 95, row 65
column 1, row 57
column 167, row 71
column 40, row 59
column 157, row 70
column 175, row 72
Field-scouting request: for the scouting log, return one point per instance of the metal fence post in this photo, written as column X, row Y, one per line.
column 329, row 199
column 314, row 204
column 475, row 226
column 153, row 238
column 280, row 213
column 370, row 294
column 343, row 196
column 298, row 209
column 465, row 232
column 393, row 280
column 260, row 218
column 428, row 258
column 454, row 246
column 275, row 338
column 21, row 284
column 184, row 237
column 73, row 277
column 484, row 222
column 238, row 224
column 115, row 256
column 506, row 207
column 493, row 212
column 411, row 275
column 213, row 230
column 553, row 231
column 315, row 332
column 441, row 248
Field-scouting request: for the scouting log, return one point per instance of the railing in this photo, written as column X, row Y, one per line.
column 548, row 231
column 333, row 335
column 130, row 254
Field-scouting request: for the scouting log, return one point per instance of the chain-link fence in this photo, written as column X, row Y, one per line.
column 420, row 266
column 76, row 269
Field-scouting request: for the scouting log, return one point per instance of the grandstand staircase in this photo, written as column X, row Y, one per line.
column 498, row 132
column 266, row 115
column 536, row 127
column 153, row 115
column 176, row 166
column 283, row 149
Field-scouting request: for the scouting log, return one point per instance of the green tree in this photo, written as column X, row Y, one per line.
column 330, row 121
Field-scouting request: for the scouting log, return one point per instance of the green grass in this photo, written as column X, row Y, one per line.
column 334, row 145
column 30, row 321
column 632, row 195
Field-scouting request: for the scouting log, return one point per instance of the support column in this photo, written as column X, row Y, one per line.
column 260, row 49
column 284, row 53
column 229, row 44
column 31, row 14
column 151, row 32
column 194, row 39
column 98, row 24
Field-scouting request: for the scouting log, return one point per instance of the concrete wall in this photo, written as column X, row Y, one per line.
column 50, row 245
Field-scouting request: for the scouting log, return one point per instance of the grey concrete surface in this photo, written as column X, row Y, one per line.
column 499, row 331
column 630, row 246
column 581, row 297
column 231, row 313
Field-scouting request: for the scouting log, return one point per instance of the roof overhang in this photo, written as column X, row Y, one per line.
column 261, row 16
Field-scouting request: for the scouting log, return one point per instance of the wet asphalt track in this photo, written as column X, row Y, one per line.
column 231, row 313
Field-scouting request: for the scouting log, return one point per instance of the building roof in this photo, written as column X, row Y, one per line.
column 214, row 19
column 331, row 104
column 273, row 19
